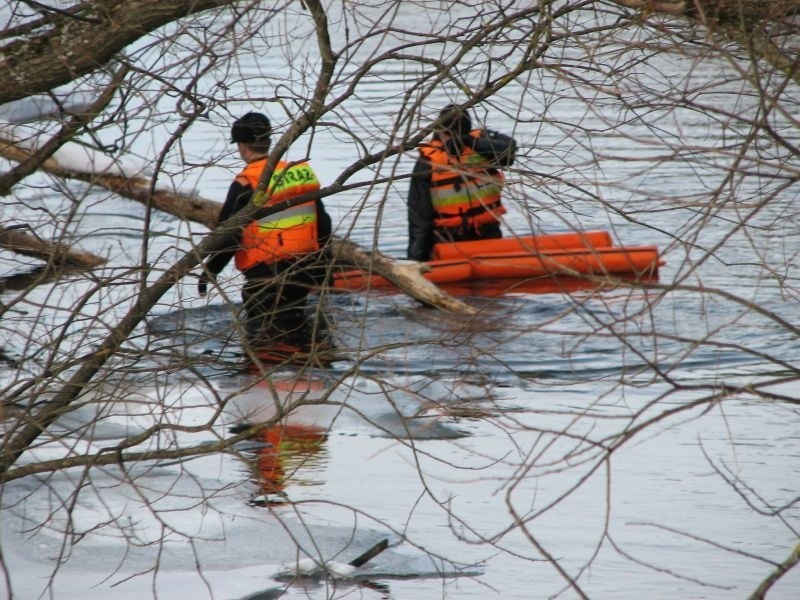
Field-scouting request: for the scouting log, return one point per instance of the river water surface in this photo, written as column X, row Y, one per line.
column 480, row 448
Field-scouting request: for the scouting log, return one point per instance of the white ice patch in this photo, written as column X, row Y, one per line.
column 80, row 158
column 42, row 108
column 74, row 156
column 310, row 568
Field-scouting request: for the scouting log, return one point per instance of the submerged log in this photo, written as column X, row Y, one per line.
column 406, row 276
column 139, row 189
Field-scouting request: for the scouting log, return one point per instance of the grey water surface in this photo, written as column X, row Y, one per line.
column 477, row 446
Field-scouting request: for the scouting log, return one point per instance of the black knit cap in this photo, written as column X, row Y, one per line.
column 455, row 120
column 250, row 129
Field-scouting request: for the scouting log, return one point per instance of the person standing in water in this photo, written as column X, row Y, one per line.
column 280, row 254
column 456, row 184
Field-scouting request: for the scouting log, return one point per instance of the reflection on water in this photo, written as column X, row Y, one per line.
column 288, row 449
column 291, row 449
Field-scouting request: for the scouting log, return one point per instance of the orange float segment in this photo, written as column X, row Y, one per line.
column 599, row 261
column 450, row 271
column 531, row 244
column 545, row 284
column 358, row 280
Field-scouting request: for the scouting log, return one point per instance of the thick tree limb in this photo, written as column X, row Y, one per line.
column 780, row 571
column 722, row 10
column 671, row 7
column 71, row 45
column 749, row 23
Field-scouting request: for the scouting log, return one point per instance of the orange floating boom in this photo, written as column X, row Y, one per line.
column 569, row 254
column 531, row 244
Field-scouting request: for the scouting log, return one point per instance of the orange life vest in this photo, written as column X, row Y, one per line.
column 285, row 235
column 464, row 192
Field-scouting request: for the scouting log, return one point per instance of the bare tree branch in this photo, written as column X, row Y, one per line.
column 791, row 561
column 16, row 240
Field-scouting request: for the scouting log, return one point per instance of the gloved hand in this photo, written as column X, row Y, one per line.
column 202, row 284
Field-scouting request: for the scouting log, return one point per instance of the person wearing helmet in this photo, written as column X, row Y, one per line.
column 281, row 254
column 455, row 188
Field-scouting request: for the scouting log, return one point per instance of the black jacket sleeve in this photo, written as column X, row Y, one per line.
column 238, row 197
column 420, row 213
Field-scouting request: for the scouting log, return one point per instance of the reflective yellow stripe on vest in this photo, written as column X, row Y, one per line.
column 291, row 217
column 463, row 192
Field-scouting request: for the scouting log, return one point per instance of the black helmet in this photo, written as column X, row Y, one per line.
column 455, row 120
column 252, row 128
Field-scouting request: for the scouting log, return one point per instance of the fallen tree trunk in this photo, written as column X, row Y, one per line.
column 407, row 277
column 134, row 188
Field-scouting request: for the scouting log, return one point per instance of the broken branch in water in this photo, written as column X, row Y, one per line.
column 312, row 568
column 370, row 554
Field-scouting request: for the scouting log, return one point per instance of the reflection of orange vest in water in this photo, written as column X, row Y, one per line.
column 464, row 192
column 285, row 442
column 285, row 235
column 288, row 441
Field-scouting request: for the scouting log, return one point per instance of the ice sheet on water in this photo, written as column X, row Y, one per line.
column 77, row 157
column 389, row 565
column 177, row 516
column 176, row 534
column 355, row 406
